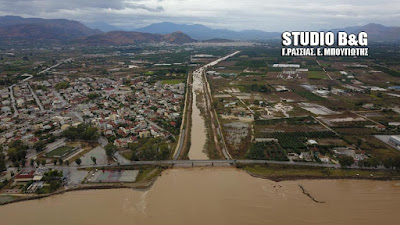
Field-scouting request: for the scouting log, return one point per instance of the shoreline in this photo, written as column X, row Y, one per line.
column 137, row 187
column 310, row 177
column 144, row 186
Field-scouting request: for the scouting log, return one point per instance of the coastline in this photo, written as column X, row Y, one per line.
column 280, row 173
column 142, row 186
column 308, row 177
column 146, row 185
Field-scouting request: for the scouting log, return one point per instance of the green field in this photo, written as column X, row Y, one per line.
column 149, row 73
column 282, row 172
column 177, row 81
column 316, row 75
column 59, row 151
column 310, row 96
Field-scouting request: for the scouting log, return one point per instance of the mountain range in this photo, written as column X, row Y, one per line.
column 131, row 38
column 34, row 30
column 201, row 32
column 15, row 27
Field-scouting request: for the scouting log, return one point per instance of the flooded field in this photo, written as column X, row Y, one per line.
column 218, row 196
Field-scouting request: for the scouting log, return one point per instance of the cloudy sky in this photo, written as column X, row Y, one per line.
column 231, row 14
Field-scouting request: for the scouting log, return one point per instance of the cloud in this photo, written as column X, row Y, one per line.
column 232, row 14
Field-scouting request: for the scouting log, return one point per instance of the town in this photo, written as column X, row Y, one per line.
column 83, row 118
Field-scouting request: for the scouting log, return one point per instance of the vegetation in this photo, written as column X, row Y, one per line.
column 267, row 151
column 81, row 132
column 177, row 81
column 92, row 96
column 346, row 161
column 316, row 75
column 284, row 172
column 393, row 73
column 78, row 161
column 54, row 179
column 16, row 152
column 2, row 162
column 110, row 149
column 310, row 96
column 62, row 85
column 149, row 149
column 294, row 141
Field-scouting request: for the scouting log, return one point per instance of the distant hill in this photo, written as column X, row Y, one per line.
column 105, row 27
column 376, row 32
column 201, row 32
column 130, row 38
column 34, row 29
column 217, row 40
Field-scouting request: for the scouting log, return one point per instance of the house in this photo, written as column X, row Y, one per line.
column 307, row 156
column 24, row 177
column 144, row 134
column 324, row 159
column 312, row 142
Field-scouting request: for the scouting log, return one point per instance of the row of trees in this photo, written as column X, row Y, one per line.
column 267, row 150
column 81, row 132
column 149, row 149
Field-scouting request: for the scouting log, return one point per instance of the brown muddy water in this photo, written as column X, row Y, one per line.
column 217, row 196
column 198, row 132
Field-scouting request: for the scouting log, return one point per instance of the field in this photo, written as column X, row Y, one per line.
column 310, row 96
column 316, row 75
column 280, row 172
column 177, row 81
column 268, row 151
column 59, row 152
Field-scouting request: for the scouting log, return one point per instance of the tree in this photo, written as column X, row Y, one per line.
column 43, row 162
column 12, row 154
column 39, row 146
column 94, row 160
column 67, row 162
column 2, row 162
column 23, row 162
column 359, row 142
column 54, row 185
column 32, row 163
column 60, row 161
column 110, row 149
column 78, row 161
column 37, row 162
column 55, row 162
column 346, row 161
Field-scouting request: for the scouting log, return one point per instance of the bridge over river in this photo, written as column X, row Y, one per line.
column 199, row 163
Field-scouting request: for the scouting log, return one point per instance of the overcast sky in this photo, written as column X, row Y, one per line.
column 232, row 14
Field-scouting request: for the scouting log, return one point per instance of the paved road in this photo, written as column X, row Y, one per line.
column 324, row 70
column 180, row 145
column 36, row 98
column 13, row 100
column 214, row 162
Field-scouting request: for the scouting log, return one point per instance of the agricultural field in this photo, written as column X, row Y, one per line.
column 268, row 151
column 177, row 81
column 316, row 75
column 350, row 99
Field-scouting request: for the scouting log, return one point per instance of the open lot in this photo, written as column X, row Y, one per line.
column 112, row 176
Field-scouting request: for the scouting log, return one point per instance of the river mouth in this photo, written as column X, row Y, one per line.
column 218, row 196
